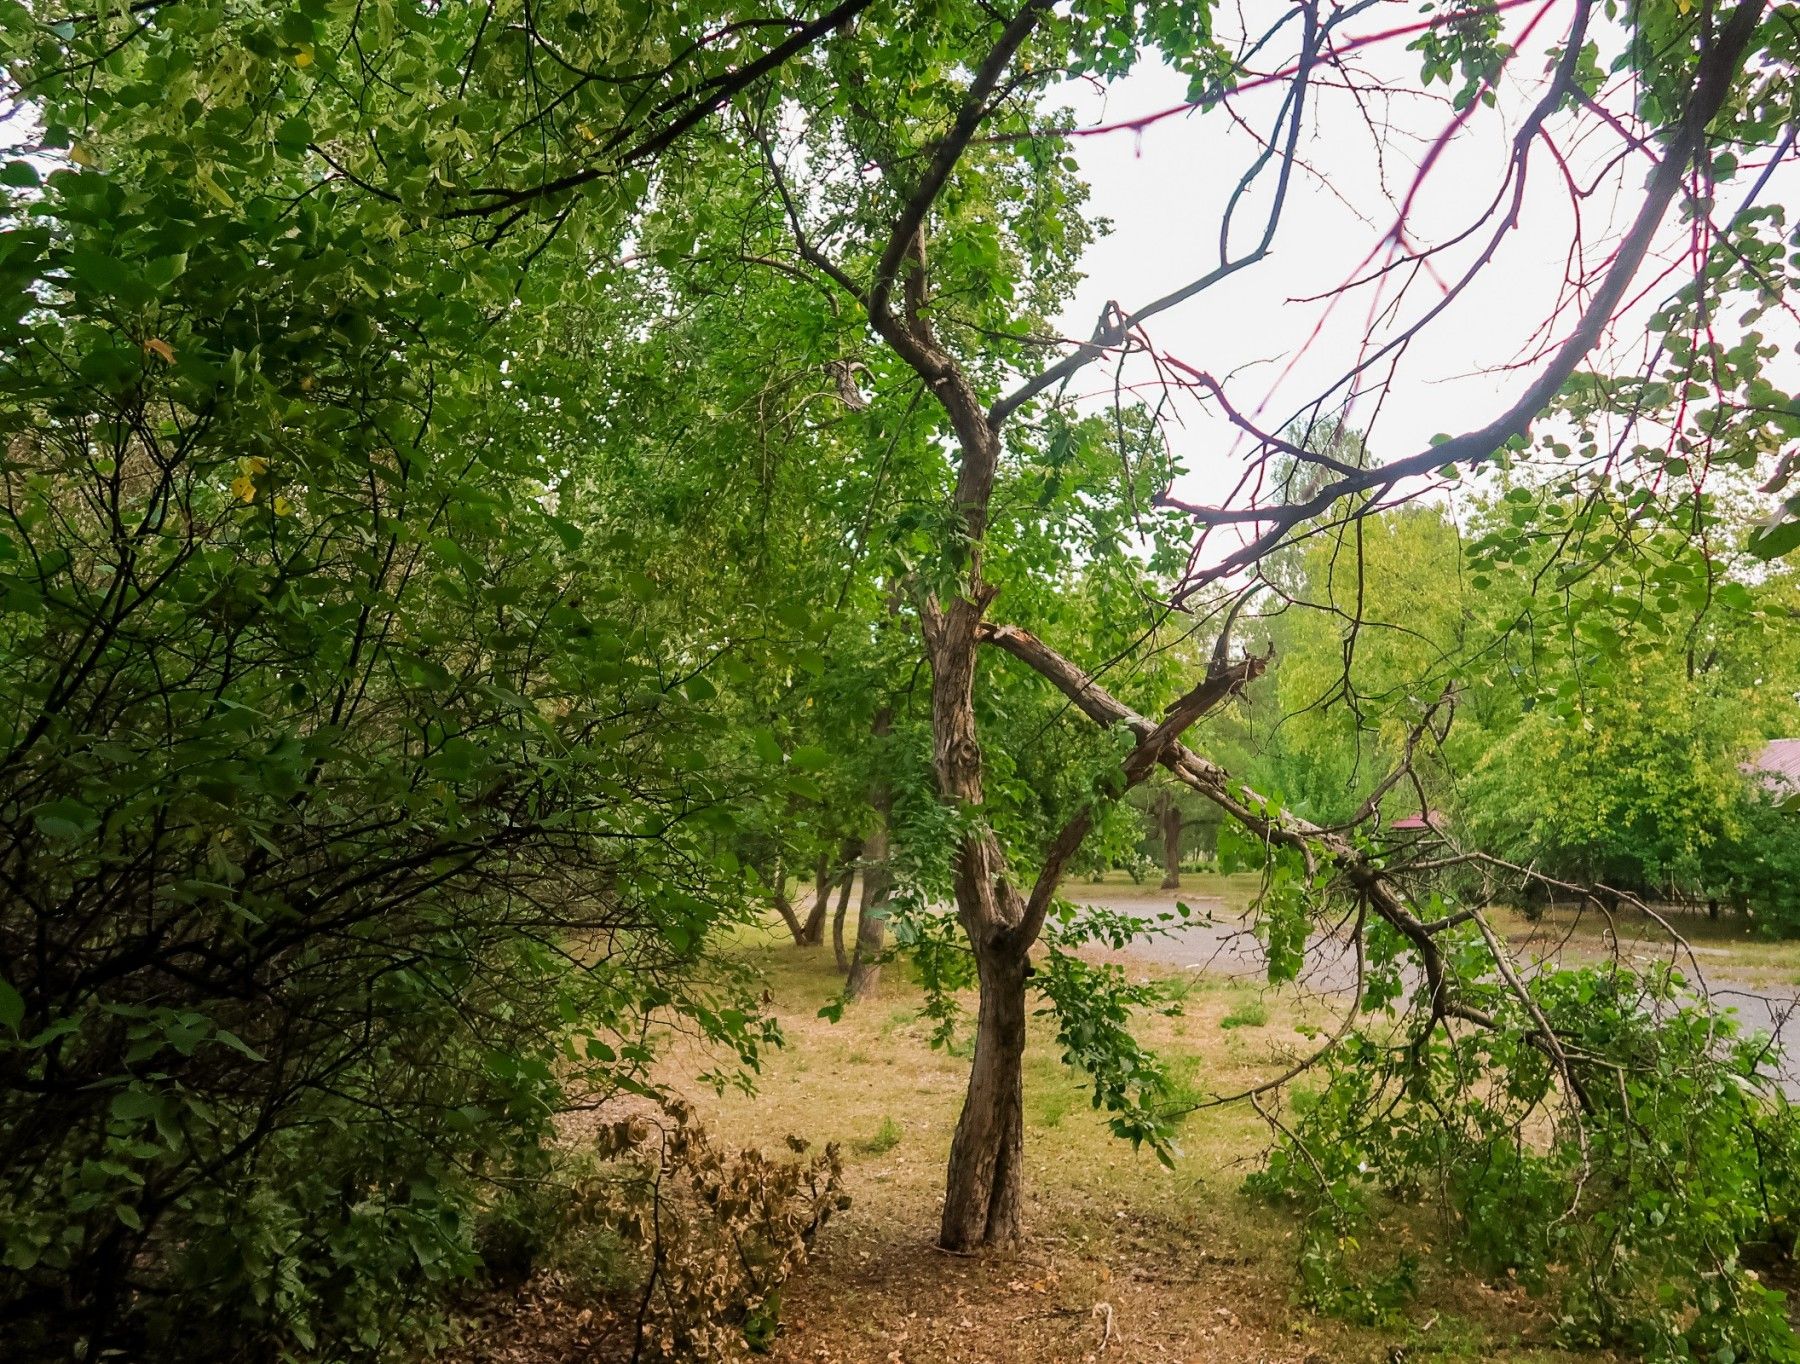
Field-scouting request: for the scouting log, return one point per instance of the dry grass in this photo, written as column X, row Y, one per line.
column 1187, row 1265
column 1729, row 949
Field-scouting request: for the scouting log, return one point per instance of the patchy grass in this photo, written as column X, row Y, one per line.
column 1251, row 1011
column 1198, row 889
column 1189, row 1267
column 1729, row 949
column 886, row 1138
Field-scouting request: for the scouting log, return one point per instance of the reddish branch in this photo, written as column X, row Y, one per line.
column 1718, row 67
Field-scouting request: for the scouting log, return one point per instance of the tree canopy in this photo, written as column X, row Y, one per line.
column 495, row 490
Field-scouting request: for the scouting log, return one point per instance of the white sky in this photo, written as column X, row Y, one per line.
column 1165, row 189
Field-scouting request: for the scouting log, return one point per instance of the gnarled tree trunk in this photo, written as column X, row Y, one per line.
column 813, row 931
column 982, row 1193
column 778, row 897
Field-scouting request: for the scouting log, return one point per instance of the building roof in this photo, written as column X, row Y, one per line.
column 1430, row 819
column 1779, row 764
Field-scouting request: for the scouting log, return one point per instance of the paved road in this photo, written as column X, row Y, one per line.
column 1219, row 941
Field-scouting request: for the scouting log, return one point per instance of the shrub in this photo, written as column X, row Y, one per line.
column 718, row 1234
column 1629, row 1202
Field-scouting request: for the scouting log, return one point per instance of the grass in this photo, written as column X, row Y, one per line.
column 886, row 1138
column 1249, row 1012
column 1190, row 1265
column 1730, row 948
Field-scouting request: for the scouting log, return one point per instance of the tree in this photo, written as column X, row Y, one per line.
column 904, row 251
column 902, row 166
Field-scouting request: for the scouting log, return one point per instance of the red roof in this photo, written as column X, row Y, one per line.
column 1779, row 764
column 1431, row 819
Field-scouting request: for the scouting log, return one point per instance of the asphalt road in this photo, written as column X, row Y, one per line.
column 1219, row 941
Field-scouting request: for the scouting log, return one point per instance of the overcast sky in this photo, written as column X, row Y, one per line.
column 1166, row 186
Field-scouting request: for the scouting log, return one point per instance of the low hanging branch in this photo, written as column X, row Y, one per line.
column 1256, row 812
column 1154, row 742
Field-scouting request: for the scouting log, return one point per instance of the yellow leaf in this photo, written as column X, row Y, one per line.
column 243, row 489
column 283, row 507
column 161, row 349
column 304, row 57
column 82, row 156
column 254, row 465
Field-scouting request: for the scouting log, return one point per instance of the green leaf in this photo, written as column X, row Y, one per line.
column 12, row 1007
column 1773, row 542
column 65, row 819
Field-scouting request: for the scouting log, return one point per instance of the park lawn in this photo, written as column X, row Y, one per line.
column 1730, row 949
column 1188, row 1266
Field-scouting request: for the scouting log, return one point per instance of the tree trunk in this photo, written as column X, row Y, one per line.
column 812, row 933
column 778, row 897
column 837, row 919
column 871, row 912
column 982, row 1193
column 784, row 907
column 1170, row 812
column 878, row 875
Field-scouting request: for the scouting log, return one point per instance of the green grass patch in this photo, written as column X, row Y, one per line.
column 886, row 1138
column 1247, row 1013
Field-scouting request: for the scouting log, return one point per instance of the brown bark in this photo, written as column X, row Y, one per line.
column 778, row 897
column 981, row 1187
column 812, row 933
column 871, row 917
column 837, row 918
column 1257, row 813
column 982, row 1193
column 1169, row 811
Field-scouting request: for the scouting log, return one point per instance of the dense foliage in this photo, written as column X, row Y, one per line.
column 493, row 491
column 1632, row 1198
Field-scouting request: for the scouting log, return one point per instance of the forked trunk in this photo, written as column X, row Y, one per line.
column 778, row 897
column 983, row 1191
column 785, row 908
column 1171, row 841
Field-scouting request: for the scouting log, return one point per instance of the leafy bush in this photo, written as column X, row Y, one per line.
column 1758, row 870
column 350, row 814
column 1629, row 1198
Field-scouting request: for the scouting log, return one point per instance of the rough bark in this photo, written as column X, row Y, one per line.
column 814, row 929
column 778, row 897
column 1169, row 812
column 982, row 1193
